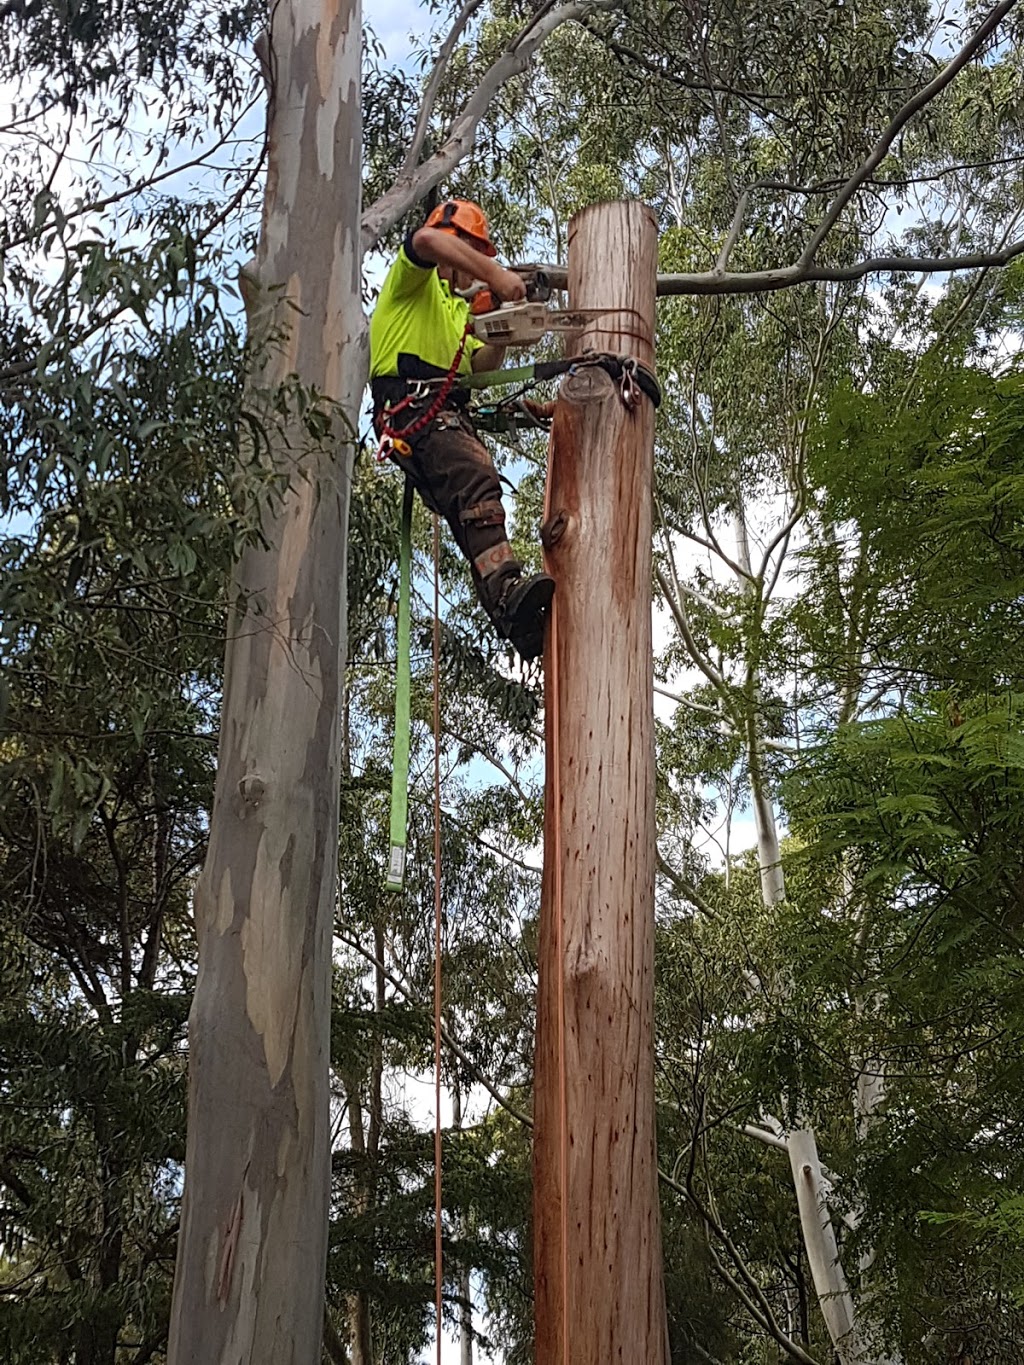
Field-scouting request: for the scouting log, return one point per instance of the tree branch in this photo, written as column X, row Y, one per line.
column 734, row 231
column 759, row 1310
column 118, row 196
column 679, row 613
column 478, row 748
column 412, row 156
column 690, row 705
column 409, row 188
column 917, row 102
column 764, row 1135
column 446, row 1035
column 785, row 276
column 685, row 887
column 333, row 1344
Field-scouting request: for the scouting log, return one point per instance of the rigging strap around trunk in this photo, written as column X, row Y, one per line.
column 617, row 366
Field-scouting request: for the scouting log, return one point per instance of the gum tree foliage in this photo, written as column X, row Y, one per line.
column 123, row 509
column 922, row 795
column 112, row 622
column 891, row 963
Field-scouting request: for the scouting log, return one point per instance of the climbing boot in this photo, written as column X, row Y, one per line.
column 523, row 613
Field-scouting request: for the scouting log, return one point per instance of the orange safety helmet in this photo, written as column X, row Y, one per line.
column 463, row 216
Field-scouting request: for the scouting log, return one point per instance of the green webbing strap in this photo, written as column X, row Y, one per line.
column 487, row 379
column 400, row 764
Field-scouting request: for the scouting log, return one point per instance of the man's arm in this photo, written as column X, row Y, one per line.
column 444, row 248
column 488, row 358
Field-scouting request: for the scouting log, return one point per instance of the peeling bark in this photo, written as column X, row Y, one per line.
column 249, row 1282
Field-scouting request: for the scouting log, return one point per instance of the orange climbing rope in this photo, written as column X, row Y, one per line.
column 438, row 1262
column 551, row 699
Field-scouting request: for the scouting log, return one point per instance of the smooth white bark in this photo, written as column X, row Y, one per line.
column 834, row 1297
column 830, row 1283
column 249, row 1280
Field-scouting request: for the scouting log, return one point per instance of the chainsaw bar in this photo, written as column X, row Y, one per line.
column 522, row 324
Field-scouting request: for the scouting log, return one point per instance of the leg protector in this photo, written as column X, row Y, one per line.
column 494, row 559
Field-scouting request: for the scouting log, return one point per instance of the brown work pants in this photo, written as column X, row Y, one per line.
column 454, row 474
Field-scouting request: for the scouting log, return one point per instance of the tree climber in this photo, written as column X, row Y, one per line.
column 419, row 330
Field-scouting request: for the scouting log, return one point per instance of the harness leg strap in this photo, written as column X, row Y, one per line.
column 489, row 513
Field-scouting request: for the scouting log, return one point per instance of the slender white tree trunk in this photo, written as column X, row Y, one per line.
column 773, row 883
column 834, row 1297
column 869, row 1097
column 359, row 1326
column 830, row 1283
column 465, row 1282
column 249, row 1283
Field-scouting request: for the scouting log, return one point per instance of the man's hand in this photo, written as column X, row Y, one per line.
column 509, row 287
column 543, row 412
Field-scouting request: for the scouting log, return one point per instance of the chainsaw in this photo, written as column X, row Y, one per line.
column 523, row 324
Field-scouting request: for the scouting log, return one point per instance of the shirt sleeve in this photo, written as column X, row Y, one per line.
column 409, row 273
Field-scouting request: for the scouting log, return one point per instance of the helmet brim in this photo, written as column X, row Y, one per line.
column 482, row 244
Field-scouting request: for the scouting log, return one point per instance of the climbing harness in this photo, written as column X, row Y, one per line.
column 397, row 439
column 632, row 377
column 613, row 365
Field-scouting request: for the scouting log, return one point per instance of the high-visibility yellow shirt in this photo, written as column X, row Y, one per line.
column 418, row 322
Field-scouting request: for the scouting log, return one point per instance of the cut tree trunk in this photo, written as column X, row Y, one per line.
column 249, row 1282
column 597, row 1258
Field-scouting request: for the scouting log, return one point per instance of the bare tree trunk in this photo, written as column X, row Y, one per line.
column 834, row 1297
column 869, row 1099
column 366, row 1144
column 769, row 858
column 465, row 1318
column 597, row 1258
column 464, row 1279
column 249, row 1283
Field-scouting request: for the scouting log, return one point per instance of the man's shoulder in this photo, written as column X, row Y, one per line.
column 409, row 271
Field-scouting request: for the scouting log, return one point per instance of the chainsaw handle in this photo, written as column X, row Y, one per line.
column 538, row 286
column 482, row 298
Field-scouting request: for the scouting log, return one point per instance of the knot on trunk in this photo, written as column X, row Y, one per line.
column 252, row 789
